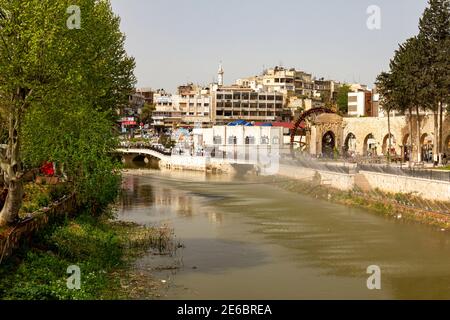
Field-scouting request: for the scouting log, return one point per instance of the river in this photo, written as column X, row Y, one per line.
column 246, row 238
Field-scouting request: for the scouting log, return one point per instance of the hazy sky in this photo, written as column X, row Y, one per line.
column 179, row 41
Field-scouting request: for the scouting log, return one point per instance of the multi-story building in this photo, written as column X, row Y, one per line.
column 326, row 89
column 235, row 102
column 190, row 107
column 129, row 115
column 360, row 104
column 282, row 80
column 147, row 93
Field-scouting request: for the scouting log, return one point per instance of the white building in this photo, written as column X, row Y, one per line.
column 356, row 103
column 225, row 136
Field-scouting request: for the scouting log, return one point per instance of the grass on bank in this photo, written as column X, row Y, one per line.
column 100, row 247
column 407, row 207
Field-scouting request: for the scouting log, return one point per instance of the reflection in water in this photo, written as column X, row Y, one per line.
column 248, row 240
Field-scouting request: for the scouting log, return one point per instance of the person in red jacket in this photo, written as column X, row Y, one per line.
column 48, row 169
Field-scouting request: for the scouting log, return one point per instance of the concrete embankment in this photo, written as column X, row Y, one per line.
column 349, row 179
column 434, row 190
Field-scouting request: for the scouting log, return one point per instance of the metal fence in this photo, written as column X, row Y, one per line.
column 319, row 165
column 349, row 168
column 404, row 171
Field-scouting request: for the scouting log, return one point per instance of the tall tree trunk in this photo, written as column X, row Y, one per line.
column 441, row 135
column 419, row 147
column 410, row 149
column 389, row 137
column 11, row 163
column 436, row 134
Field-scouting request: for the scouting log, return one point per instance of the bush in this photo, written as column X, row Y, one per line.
column 57, row 192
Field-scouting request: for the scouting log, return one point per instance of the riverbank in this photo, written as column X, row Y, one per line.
column 104, row 250
column 406, row 207
column 354, row 190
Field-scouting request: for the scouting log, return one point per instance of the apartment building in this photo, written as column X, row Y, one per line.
column 326, row 89
column 147, row 93
column 360, row 104
column 236, row 102
column 280, row 80
column 191, row 106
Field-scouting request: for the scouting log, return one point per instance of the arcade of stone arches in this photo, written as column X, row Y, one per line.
column 330, row 135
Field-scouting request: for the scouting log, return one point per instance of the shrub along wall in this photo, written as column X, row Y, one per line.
column 12, row 237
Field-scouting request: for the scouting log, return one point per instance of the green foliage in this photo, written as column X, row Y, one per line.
column 147, row 112
column 58, row 191
column 98, row 247
column 42, row 275
column 342, row 99
column 67, row 86
column 419, row 72
column 166, row 141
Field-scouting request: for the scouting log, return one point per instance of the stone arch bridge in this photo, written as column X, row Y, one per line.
column 146, row 155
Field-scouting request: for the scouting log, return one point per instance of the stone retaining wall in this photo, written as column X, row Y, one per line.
column 336, row 180
column 424, row 188
column 12, row 237
column 367, row 180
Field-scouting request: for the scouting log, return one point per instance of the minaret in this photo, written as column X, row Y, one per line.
column 220, row 75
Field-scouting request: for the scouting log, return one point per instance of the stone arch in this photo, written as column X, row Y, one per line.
column 370, row 145
column 406, row 147
column 140, row 158
column 426, row 147
column 385, row 145
column 350, row 144
column 328, row 144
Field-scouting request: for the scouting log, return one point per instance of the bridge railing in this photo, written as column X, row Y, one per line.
column 146, row 146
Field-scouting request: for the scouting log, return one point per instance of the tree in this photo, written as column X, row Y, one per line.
column 434, row 33
column 147, row 112
column 385, row 87
column 397, row 87
column 58, row 89
column 342, row 99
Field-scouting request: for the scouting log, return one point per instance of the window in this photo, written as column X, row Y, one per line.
column 232, row 140
column 265, row 140
column 279, row 98
column 253, row 96
column 228, row 97
column 217, row 140
column 237, row 96
column 219, row 97
column 276, row 140
column 249, row 140
column 262, row 97
column 245, row 96
column 270, row 98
